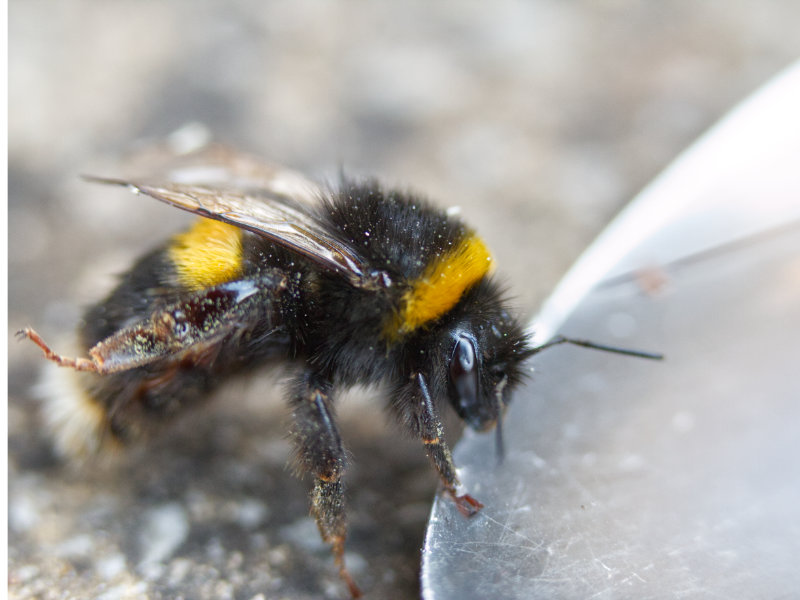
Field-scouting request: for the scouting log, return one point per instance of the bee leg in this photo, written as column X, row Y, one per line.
column 319, row 450
column 79, row 364
column 427, row 425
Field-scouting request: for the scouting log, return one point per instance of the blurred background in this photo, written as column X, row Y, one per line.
column 538, row 119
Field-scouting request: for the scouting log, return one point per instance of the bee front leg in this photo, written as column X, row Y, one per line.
column 319, row 450
column 423, row 420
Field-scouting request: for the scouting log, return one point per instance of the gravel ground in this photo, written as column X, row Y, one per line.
column 539, row 119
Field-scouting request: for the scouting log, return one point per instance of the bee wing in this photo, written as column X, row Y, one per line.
column 274, row 203
column 220, row 166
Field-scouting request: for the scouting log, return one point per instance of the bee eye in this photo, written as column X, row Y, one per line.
column 464, row 389
column 463, row 362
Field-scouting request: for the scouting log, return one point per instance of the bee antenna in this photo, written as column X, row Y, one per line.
column 560, row 339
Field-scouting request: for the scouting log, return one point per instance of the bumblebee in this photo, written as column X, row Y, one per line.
column 353, row 285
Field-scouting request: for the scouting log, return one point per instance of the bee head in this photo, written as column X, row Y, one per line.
column 483, row 352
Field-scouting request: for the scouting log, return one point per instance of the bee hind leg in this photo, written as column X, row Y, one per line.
column 319, row 450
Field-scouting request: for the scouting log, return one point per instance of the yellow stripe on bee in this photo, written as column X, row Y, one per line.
column 208, row 254
column 441, row 286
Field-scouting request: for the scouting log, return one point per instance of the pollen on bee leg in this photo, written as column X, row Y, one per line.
column 431, row 441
